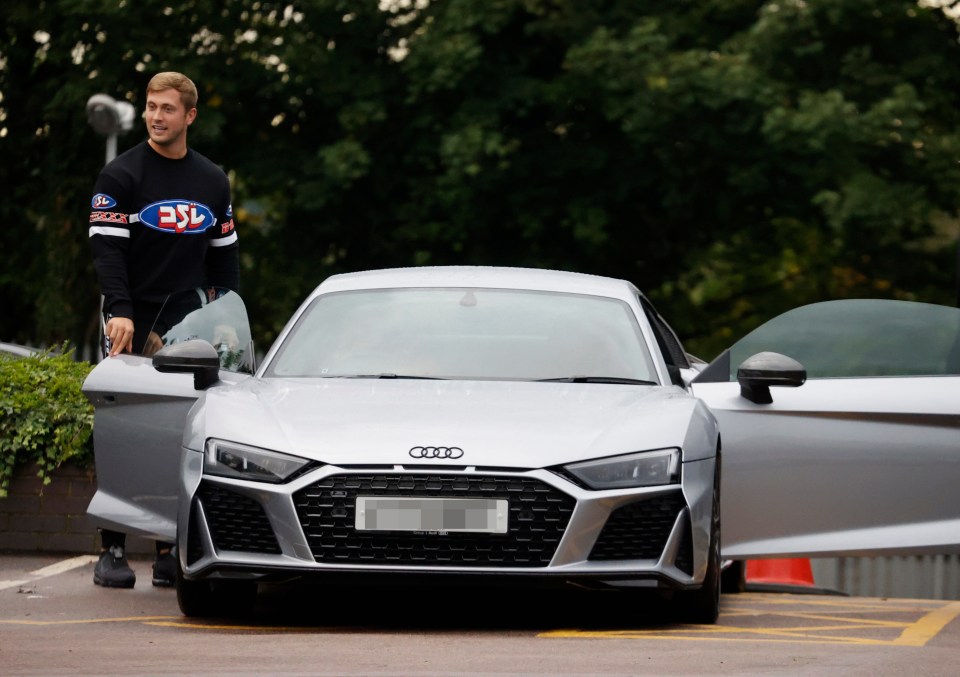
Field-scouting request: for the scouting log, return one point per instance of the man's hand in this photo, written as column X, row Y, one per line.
column 120, row 332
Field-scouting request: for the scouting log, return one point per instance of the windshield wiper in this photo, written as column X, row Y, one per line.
column 598, row 379
column 387, row 375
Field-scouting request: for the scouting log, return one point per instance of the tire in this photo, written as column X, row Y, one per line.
column 215, row 599
column 733, row 578
column 702, row 606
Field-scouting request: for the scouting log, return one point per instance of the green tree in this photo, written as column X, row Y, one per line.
column 732, row 157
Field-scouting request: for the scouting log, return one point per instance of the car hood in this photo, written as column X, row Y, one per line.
column 501, row 423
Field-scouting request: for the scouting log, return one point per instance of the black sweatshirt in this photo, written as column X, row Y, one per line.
column 160, row 226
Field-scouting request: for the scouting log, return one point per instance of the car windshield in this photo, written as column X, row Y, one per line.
column 465, row 333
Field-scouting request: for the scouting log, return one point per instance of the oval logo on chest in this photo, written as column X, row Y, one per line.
column 177, row 216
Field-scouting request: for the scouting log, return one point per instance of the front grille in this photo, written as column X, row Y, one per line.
column 638, row 530
column 538, row 516
column 236, row 522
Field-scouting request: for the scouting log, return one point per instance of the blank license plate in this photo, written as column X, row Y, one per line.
column 432, row 514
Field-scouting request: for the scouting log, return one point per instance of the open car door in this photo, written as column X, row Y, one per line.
column 139, row 413
column 864, row 457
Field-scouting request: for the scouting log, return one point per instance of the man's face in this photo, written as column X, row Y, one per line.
column 167, row 120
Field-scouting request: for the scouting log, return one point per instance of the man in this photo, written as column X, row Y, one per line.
column 161, row 222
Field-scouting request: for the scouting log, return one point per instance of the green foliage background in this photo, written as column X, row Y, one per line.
column 733, row 158
column 44, row 416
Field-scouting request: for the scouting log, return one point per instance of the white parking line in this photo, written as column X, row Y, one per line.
column 52, row 570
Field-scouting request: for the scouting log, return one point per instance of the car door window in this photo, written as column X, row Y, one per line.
column 219, row 317
column 855, row 338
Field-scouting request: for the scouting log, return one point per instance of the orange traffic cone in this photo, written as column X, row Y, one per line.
column 780, row 571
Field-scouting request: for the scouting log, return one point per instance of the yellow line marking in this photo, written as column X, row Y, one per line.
column 754, row 640
column 927, row 627
column 846, row 622
column 730, row 635
column 257, row 628
column 936, row 616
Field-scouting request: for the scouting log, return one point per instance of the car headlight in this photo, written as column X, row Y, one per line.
column 643, row 469
column 228, row 459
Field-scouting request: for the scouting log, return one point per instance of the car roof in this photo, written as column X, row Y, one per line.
column 17, row 349
column 480, row 276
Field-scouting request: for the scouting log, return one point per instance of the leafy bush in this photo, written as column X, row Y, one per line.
column 44, row 415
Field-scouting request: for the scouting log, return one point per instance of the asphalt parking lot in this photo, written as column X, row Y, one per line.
column 455, row 633
column 815, row 619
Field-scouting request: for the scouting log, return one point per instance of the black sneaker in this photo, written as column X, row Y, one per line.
column 112, row 570
column 165, row 570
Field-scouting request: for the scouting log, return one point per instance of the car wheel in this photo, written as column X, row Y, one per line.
column 214, row 599
column 702, row 606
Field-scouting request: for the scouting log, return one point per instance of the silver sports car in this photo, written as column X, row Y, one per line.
column 504, row 425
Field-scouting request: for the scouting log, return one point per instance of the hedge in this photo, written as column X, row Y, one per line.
column 44, row 415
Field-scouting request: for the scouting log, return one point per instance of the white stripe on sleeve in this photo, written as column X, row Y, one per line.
column 109, row 231
column 224, row 241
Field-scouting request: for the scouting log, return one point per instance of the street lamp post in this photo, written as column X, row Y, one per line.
column 110, row 118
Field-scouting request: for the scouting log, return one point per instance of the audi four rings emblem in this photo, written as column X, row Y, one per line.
column 436, row 452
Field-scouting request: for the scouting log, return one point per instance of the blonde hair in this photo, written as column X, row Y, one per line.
column 177, row 81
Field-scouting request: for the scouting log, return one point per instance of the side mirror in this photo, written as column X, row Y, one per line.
column 196, row 356
column 758, row 372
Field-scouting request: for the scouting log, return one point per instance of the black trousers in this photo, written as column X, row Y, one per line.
column 109, row 538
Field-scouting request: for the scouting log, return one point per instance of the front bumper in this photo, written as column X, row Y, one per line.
column 559, row 532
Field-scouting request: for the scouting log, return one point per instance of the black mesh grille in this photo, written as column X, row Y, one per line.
column 538, row 516
column 638, row 530
column 236, row 522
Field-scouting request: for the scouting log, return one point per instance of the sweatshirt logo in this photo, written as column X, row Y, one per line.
column 177, row 216
column 102, row 201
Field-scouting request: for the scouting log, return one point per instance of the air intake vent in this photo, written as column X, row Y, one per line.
column 236, row 522
column 639, row 530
